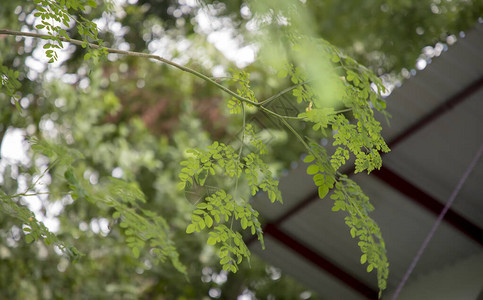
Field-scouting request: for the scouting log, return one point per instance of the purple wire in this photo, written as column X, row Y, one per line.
column 436, row 224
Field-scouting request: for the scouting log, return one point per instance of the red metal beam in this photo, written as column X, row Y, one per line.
column 420, row 197
column 320, row 261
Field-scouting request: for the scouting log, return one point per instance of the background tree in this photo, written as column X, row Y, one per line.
column 133, row 119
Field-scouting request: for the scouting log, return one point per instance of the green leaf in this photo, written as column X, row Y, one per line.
column 323, row 190
column 363, row 258
column 201, row 178
column 135, row 252
column 17, row 105
column 70, row 177
column 29, row 238
column 318, row 179
column 181, row 185
column 309, row 158
column 92, row 3
column 191, row 228
column 124, row 225
column 370, row 268
column 335, row 58
column 282, row 74
column 312, row 169
column 225, row 260
column 208, row 221
column 211, row 241
column 244, row 223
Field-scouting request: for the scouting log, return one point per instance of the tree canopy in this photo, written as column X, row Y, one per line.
column 145, row 142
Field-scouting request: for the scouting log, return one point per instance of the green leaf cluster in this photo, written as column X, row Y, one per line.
column 349, row 197
column 34, row 229
column 353, row 129
column 320, row 169
column 143, row 228
column 254, row 140
column 201, row 164
column 56, row 18
column 244, row 90
column 220, row 208
column 362, row 139
column 322, row 117
column 9, row 84
column 358, row 133
column 217, row 210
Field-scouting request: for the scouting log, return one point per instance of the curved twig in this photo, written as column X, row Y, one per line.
column 133, row 53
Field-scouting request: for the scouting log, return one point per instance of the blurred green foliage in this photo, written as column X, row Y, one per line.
column 383, row 35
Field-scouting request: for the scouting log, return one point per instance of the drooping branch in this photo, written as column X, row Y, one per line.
column 168, row 62
column 133, row 53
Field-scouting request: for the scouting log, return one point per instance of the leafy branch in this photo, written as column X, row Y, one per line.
column 10, row 84
column 210, row 80
column 142, row 228
column 352, row 127
column 33, row 228
column 132, row 53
